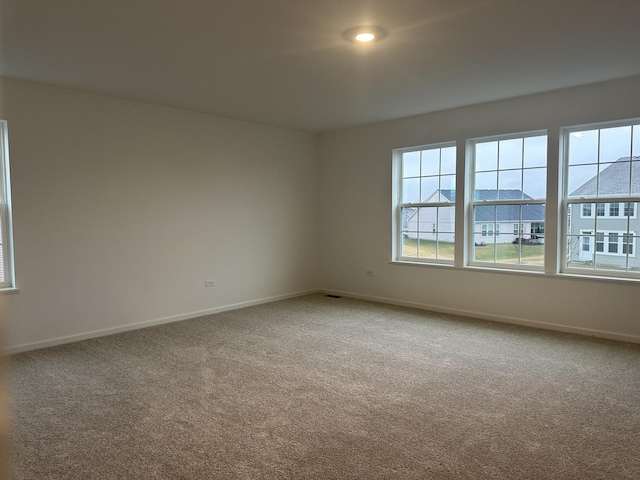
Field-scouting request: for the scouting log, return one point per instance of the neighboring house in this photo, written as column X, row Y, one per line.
column 502, row 225
column 617, row 222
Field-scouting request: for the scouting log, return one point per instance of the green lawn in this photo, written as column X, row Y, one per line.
column 504, row 252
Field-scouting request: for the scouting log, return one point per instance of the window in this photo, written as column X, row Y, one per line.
column 502, row 210
column 509, row 187
column 629, row 209
column 6, row 246
column 602, row 171
column 487, row 229
column 427, row 194
column 614, row 209
column 600, row 242
column 627, row 242
column 613, row 242
column 586, row 243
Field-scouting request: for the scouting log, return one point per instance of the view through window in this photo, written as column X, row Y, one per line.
column 503, row 208
column 601, row 196
column 427, row 206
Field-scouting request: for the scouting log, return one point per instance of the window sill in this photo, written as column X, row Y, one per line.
column 9, row 291
column 530, row 273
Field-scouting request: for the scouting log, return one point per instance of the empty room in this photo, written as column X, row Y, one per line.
column 320, row 239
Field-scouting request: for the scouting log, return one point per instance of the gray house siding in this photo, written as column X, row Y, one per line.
column 603, row 239
column 490, row 226
column 606, row 232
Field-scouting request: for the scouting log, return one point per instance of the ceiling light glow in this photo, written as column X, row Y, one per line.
column 365, row 37
column 365, row 34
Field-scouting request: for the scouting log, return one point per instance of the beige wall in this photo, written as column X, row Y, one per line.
column 356, row 217
column 123, row 209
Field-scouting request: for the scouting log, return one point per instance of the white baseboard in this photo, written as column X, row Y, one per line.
column 150, row 323
column 496, row 318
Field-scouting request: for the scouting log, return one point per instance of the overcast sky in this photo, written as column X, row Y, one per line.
column 590, row 151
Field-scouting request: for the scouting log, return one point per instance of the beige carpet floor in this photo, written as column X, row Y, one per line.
column 325, row 388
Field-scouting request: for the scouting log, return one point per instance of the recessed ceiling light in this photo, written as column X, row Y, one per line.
column 365, row 34
column 365, row 37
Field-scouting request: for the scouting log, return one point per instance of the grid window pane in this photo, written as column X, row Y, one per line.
column 486, row 186
column 411, row 164
column 613, row 178
column 580, row 251
column 615, row 143
column 582, row 180
column 510, row 180
column 411, row 190
column 535, row 151
column 448, row 161
column 603, row 262
column 409, row 244
column 534, row 182
column 486, row 156
column 583, row 147
column 427, row 226
column 446, row 220
column 513, row 233
column 430, row 162
column 429, row 189
column 448, row 183
column 510, row 154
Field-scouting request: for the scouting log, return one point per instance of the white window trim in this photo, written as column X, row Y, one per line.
column 398, row 231
column 556, row 215
column 6, row 216
column 565, row 132
column 470, row 236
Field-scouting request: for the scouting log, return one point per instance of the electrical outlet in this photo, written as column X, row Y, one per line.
column 209, row 283
column 369, row 273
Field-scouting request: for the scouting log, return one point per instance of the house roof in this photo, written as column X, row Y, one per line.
column 489, row 194
column 613, row 180
column 510, row 213
column 504, row 213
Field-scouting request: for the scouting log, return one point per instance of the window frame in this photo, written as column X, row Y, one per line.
column 605, row 200
column 559, row 236
column 470, row 233
column 399, row 231
column 6, row 215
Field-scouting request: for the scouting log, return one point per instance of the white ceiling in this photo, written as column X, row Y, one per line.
column 285, row 63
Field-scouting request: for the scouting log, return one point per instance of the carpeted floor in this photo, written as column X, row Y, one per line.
column 324, row 388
